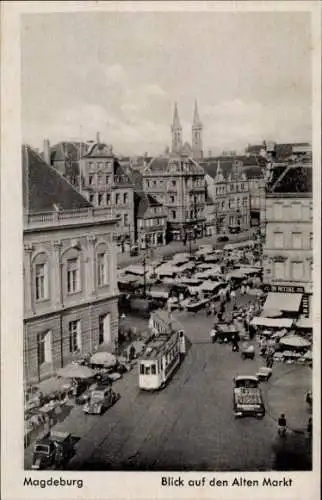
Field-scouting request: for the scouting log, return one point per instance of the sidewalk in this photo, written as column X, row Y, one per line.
column 285, row 393
column 124, row 259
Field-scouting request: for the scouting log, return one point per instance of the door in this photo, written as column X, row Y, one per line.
column 105, row 329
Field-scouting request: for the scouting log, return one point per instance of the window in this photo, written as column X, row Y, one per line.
column 148, row 183
column 91, row 198
column 90, row 180
column 125, row 198
column 245, row 201
column 73, row 275
column 297, row 270
column 173, row 214
column 99, row 179
column 44, row 348
column 230, row 203
column 174, row 183
column 126, row 219
column 153, row 370
column 278, row 211
column 108, row 199
column 296, row 240
column 74, row 336
column 101, row 328
column 172, row 199
column 154, row 183
column 100, row 199
column 107, row 179
column 279, row 270
column 231, row 221
column 238, row 202
column 41, row 281
column 296, row 211
column 117, row 199
column 141, row 369
column 278, row 241
column 101, row 269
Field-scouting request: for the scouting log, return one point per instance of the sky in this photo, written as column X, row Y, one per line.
column 120, row 73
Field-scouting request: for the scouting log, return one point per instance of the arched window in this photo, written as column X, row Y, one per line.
column 40, row 270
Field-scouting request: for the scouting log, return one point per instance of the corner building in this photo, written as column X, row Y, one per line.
column 288, row 249
column 70, row 283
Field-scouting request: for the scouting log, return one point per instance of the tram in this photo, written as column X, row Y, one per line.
column 163, row 353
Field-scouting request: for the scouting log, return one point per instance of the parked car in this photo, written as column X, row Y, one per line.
column 102, row 398
column 223, row 238
column 247, row 397
column 52, row 451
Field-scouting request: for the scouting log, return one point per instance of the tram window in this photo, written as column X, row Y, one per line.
column 153, row 370
column 141, row 369
column 147, row 370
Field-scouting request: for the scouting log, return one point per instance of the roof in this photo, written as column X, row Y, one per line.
column 296, row 178
column 254, row 172
column 44, row 188
column 146, row 201
column 211, row 167
column 99, row 150
column 254, row 148
column 159, row 164
column 136, row 178
column 282, row 151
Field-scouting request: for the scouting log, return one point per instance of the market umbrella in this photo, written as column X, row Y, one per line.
column 295, row 341
column 75, row 371
column 103, row 358
column 272, row 313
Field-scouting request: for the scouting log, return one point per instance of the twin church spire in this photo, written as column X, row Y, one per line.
column 176, row 131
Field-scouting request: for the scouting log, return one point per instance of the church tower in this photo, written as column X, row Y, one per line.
column 197, row 152
column 176, row 131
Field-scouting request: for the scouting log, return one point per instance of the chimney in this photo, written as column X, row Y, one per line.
column 98, row 137
column 47, row 151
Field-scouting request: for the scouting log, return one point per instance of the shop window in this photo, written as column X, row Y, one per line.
column 125, row 198
column 117, row 199
column 45, row 348
column 173, row 214
column 74, row 331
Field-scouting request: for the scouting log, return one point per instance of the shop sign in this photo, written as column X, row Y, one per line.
column 284, row 289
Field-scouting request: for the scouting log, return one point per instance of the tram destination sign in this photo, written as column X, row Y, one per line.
column 284, row 289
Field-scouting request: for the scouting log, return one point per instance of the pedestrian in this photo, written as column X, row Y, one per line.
column 242, row 289
column 208, row 309
column 233, row 298
column 309, row 427
column 213, row 335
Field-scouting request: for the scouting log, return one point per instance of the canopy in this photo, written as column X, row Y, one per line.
column 181, row 257
column 295, row 341
column 305, row 323
column 272, row 322
column 271, row 313
column 137, row 269
column 209, row 286
column 166, row 270
column 73, row 370
column 158, row 294
column 283, row 301
column 240, row 244
column 104, row 358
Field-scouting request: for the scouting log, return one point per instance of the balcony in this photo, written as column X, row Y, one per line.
column 33, row 221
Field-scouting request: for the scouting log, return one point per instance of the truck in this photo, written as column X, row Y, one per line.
column 52, row 450
column 247, row 397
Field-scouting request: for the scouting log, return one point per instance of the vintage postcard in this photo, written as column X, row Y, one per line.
column 160, row 229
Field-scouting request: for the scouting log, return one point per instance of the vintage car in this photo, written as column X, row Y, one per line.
column 247, row 351
column 101, row 399
column 247, row 397
column 52, row 451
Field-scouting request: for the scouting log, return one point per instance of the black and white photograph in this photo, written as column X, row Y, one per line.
column 167, row 266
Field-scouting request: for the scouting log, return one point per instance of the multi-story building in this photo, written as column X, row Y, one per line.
column 65, row 157
column 256, row 182
column 228, row 186
column 69, row 263
column 105, row 183
column 177, row 181
column 287, row 253
column 151, row 221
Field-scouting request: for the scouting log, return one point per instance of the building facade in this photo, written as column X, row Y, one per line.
column 105, row 183
column 256, row 182
column 69, row 262
column 228, row 186
column 288, row 249
column 178, row 183
column 151, row 219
